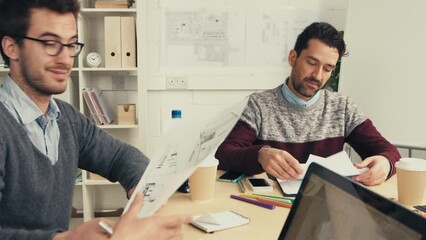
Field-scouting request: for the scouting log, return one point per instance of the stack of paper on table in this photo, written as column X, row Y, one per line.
column 339, row 163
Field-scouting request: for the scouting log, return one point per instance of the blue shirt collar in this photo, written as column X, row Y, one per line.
column 24, row 107
column 293, row 99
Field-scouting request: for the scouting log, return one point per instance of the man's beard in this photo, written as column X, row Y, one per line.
column 35, row 81
column 301, row 89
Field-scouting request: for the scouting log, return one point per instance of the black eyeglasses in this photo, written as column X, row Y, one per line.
column 54, row 48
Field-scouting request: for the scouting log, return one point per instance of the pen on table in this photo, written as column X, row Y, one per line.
column 242, row 188
column 105, row 226
column 286, row 201
column 269, row 196
column 255, row 202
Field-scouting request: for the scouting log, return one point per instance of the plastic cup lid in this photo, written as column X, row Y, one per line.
column 411, row 164
column 209, row 162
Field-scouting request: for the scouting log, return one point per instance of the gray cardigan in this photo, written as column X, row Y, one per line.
column 36, row 197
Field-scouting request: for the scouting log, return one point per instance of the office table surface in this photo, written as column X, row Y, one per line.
column 264, row 223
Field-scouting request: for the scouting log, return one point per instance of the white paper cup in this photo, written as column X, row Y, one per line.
column 202, row 181
column 411, row 181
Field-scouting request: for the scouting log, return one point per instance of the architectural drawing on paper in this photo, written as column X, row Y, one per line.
column 230, row 36
column 175, row 162
column 167, row 163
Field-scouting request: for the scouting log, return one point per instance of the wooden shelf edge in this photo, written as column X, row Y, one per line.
column 98, row 182
column 99, row 213
column 116, row 126
column 108, row 10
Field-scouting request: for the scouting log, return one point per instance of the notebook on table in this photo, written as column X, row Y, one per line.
column 330, row 206
column 213, row 222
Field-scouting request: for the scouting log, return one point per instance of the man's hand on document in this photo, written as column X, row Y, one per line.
column 377, row 173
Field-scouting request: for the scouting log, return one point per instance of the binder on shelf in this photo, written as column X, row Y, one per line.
column 99, row 111
column 128, row 42
column 102, row 109
column 112, row 38
column 95, row 102
column 91, row 107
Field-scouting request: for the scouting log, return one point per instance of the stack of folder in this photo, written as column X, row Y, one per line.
column 111, row 4
column 99, row 111
column 120, row 41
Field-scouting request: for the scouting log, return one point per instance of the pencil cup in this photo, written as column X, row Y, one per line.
column 411, row 181
column 202, row 181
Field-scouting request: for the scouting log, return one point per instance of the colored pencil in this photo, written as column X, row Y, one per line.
column 288, row 201
column 276, row 203
column 258, row 203
column 269, row 196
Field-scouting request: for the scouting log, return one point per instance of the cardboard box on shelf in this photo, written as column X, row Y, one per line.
column 126, row 114
column 111, row 4
column 94, row 176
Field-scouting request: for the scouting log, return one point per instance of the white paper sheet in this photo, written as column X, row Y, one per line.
column 182, row 150
column 339, row 163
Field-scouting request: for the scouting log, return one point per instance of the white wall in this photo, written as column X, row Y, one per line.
column 211, row 89
column 384, row 71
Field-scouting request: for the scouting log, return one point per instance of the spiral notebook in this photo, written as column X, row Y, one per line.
column 213, row 222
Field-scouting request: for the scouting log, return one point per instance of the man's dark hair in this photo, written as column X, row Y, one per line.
column 324, row 32
column 15, row 15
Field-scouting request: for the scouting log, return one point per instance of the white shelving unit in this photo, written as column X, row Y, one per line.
column 92, row 195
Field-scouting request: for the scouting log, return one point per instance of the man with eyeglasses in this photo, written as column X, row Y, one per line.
column 43, row 140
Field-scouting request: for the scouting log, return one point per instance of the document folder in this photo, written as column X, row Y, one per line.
column 128, row 42
column 91, row 106
column 112, row 41
column 100, row 105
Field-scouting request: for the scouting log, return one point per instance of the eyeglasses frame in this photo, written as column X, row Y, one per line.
column 45, row 44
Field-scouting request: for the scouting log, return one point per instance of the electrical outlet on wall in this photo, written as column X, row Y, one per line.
column 176, row 83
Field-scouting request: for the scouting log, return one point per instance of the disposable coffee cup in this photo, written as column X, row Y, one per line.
column 411, row 181
column 202, row 181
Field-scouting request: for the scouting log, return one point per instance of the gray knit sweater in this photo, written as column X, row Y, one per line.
column 321, row 129
column 36, row 196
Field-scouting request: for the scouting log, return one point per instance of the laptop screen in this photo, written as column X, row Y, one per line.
column 330, row 206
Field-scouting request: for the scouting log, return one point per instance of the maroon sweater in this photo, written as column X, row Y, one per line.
column 320, row 129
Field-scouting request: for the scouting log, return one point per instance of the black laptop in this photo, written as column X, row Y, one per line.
column 330, row 206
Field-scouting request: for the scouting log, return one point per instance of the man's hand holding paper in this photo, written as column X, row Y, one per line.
column 339, row 163
column 279, row 163
column 378, row 170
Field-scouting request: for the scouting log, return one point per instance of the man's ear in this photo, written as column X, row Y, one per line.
column 10, row 47
column 292, row 56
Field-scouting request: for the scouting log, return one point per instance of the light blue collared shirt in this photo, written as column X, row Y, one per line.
column 42, row 129
column 293, row 99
